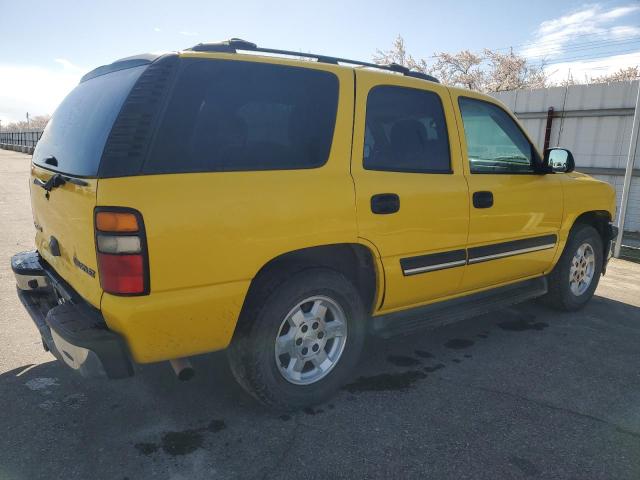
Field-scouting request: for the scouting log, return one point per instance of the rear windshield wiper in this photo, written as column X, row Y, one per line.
column 57, row 180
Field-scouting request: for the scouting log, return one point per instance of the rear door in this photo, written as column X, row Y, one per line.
column 411, row 194
column 71, row 147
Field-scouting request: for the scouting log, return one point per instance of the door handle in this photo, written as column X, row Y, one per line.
column 483, row 199
column 385, row 203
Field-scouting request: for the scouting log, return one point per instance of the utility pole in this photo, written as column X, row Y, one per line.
column 28, row 121
column 633, row 144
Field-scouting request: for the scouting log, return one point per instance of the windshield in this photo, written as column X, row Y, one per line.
column 78, row 130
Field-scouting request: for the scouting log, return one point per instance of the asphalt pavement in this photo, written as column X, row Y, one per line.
column 524, row 392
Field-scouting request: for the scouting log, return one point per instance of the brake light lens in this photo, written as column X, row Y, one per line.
column 121, row 250
column 121, row 274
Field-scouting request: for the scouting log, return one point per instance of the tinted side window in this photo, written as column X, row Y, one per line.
column 229, row 116
column 495, row 143
column 405, row 131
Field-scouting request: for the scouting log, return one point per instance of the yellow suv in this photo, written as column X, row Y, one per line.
column 283, row 206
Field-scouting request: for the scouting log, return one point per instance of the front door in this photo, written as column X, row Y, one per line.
column 411, row 193
column 515, row 212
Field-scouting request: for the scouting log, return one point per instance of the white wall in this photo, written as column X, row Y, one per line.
column 596, row 140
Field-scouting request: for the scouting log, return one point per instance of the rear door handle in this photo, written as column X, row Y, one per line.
column 385, row 203
column 483, row 199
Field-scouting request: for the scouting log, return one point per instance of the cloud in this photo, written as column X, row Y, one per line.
column 619, row 12
column 35, row 89
column 624, row 31
column 156, row 29
column 553, row 38
column 581, row 70
column 67, row 65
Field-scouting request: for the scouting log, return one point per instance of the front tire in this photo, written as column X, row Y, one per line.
column 575, row 278
column 298, row 341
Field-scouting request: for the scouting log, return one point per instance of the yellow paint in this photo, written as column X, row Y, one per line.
column 212, row 232
column 68, row 217
column 434, row 210
column 525, row 205
column 209, row 234
column 176, row 323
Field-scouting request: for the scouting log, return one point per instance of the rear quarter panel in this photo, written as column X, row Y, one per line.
column 210, row 233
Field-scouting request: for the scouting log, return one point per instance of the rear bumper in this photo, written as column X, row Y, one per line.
column 74, row 331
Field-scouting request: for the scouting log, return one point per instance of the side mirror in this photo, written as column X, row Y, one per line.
column 559, row 160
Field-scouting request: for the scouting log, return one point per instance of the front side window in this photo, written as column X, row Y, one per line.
column 233, row 116
column 495, row 143
column 405, row 131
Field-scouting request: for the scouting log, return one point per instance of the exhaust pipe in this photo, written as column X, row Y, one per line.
column 182, row 368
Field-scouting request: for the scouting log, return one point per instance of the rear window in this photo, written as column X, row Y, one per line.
column 78, row 130
column 231, row 116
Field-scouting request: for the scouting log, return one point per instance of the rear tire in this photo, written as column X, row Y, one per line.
column 298, row 341
column 575, row 278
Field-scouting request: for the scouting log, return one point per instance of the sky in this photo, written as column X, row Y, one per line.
column 48, row 45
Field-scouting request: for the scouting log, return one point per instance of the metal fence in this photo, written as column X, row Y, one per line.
column 26, row 139
column 596, row 122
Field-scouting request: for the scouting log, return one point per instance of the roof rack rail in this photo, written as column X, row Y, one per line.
column 234, row 44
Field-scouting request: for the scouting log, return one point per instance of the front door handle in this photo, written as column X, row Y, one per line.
column 483, row 199
column 385, row 203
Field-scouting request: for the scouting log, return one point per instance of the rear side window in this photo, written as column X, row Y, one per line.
column 231, row 116
column 405, row 131
column 78, row 130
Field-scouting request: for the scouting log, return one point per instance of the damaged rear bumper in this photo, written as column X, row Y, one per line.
column 71, row 329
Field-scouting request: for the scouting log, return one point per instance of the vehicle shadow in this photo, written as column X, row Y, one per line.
column 58, row 424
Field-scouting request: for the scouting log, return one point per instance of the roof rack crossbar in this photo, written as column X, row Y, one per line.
column 234, row 44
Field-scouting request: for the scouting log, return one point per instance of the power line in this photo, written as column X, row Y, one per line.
column 571, row 43
column 552, row 41
column 583, row 57
column 581, row 47
column 569, row 52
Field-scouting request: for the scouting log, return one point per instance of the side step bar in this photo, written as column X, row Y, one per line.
column 451, row 311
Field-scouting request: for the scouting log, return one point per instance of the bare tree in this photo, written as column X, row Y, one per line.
column 511, row 72
column 622, row 75
column 398, row 54
column 39, row 121
column 35, row 123
column 488, row 71
column 463, row 69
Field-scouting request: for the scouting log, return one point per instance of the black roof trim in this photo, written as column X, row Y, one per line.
column 234, row 44
column 123, row 63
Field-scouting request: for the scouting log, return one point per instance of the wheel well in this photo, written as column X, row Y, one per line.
column 353, row 260
column 599, row 219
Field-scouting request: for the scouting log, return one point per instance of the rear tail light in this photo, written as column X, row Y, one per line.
column 117, row 221
column 123, row 262
column 118, row 244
